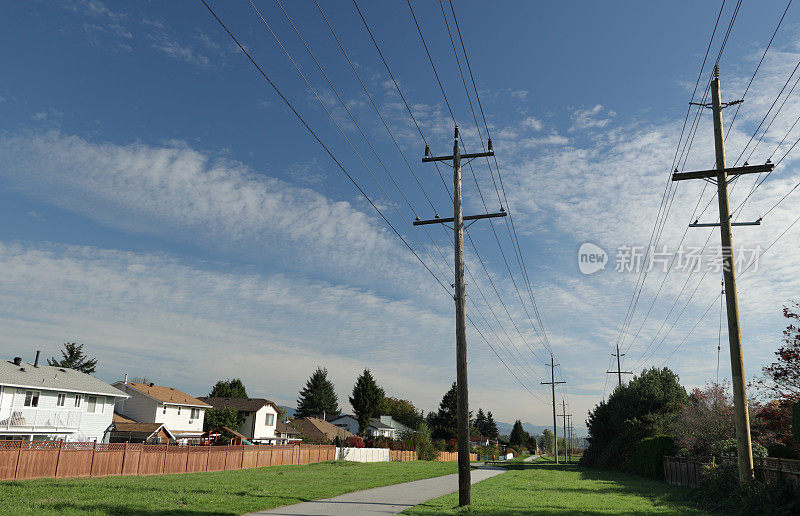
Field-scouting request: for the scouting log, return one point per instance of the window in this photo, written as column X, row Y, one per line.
column 91, row 404
column 62, row 399
column 195, row 413
column 78, row 399
column 270, row 419
column 179, row 411
column 164, row 410
column 32, row 398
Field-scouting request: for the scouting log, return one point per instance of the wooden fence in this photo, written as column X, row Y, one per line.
column 451, row 456
column 56, row 459
column 688, row 471
column 402, row 456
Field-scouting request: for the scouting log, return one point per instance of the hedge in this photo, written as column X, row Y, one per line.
column 649, row 455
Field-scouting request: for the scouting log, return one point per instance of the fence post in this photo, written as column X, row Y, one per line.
column 186, row 468
column 19, row 457
column 139, row 462
column 124, row 455
column 208, row 456
column 94, row 450
column 164, row 461
column 58, row 458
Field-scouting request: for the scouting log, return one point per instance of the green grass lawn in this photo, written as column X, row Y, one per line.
column 541, row 487
column 224, row 492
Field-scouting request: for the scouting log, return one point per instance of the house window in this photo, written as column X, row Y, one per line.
column 62, row 399
column 195, row 413
column 32, row 398
column 91, row 404
column 164, row 410
column 270, row 419
column 78, row 399
column 179, row 411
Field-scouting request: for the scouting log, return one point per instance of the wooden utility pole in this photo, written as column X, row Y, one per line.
column 460, row 300
column 619, row 372
column 720, row 175
column 552, row 383
column 565, row 416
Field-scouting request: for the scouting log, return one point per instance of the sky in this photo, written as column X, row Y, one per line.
column 162, row 204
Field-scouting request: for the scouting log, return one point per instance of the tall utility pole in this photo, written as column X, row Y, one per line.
column 565, row 416
column 569, row 438
column 552, row 383
column 619, row 372
column 460, row 298
column 720, row 175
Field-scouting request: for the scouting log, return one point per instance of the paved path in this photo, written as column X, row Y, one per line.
column 388, row 499
column 531, row 458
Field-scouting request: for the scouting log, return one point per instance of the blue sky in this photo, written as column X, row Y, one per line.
column 163, row 206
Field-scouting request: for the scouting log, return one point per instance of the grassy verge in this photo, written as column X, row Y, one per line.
column 541, row 487
column 224, row 492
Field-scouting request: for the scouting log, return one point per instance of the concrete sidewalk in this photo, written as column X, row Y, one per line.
column 388, row 499
column 531, row 458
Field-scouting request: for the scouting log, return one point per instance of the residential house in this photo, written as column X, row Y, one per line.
column 397, row 425
column 259, row 417
column 319, row 431
column 126, row 430
column 376, row 427
column 180, row 413
column 41, row 402
column 286, row 433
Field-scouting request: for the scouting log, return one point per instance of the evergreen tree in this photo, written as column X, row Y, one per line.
column 480, row 422
column 366, row 400
column 318, row 397
column 72, row 357
column 518, row 434
column 491, row 427
column 546, row 441
column 445, row 421
column 228, row 389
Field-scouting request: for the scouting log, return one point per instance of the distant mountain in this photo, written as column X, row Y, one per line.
column 289, row 411
column 505, row 429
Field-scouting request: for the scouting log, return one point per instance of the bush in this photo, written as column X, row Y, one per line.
column 648, row 458
column 354, row 442
column 422, row 443
column 728, row 448
column 720, row 491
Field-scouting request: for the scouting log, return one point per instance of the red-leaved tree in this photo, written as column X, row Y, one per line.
column 782, row 378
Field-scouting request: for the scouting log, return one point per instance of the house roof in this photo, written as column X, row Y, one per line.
column 119, row 418
column 376, row 422
column 166, row 395
column 284, row 428
column 240, row 404
column 141, row 428
column 54, row 378
column 319, row 430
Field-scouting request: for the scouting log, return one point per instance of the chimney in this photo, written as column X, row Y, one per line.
column 125, row 381
column 36, row 362
column 17, row 361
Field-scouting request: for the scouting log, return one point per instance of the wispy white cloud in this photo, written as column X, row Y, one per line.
column 591, row 118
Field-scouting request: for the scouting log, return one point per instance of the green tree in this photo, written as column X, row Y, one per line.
column 531, row 443
column 644, row 408
column 365, row 400
column 402, row 411
column 72, row 357
column 518, row 434
column 423, row 443
column 546, row 441
column 491, row 426
column 217, row 418
column 318, row 397
column 480, row 422
column 233, row 388
column 445, row 421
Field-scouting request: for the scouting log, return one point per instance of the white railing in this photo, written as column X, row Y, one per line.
column 41, row 419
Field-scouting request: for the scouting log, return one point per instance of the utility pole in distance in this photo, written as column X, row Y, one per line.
column 565, row 416
column 619, row 371
column 720, row 176
column 460, row 299
column 552, row 383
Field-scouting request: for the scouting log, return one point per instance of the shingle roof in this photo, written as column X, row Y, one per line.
column 319, row 430
column 240, row 404
column 284, row 428
column 54, row 378
column 119, row 418
column 168, row 395
column 376, row 422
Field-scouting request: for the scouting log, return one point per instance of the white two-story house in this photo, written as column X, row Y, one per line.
column 41, row 402
column 260, row 417
column 180, row 413
column 376, row 427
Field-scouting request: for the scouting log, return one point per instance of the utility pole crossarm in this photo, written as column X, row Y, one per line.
column 428, row 159
column 440, row 220
column 712, row 174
